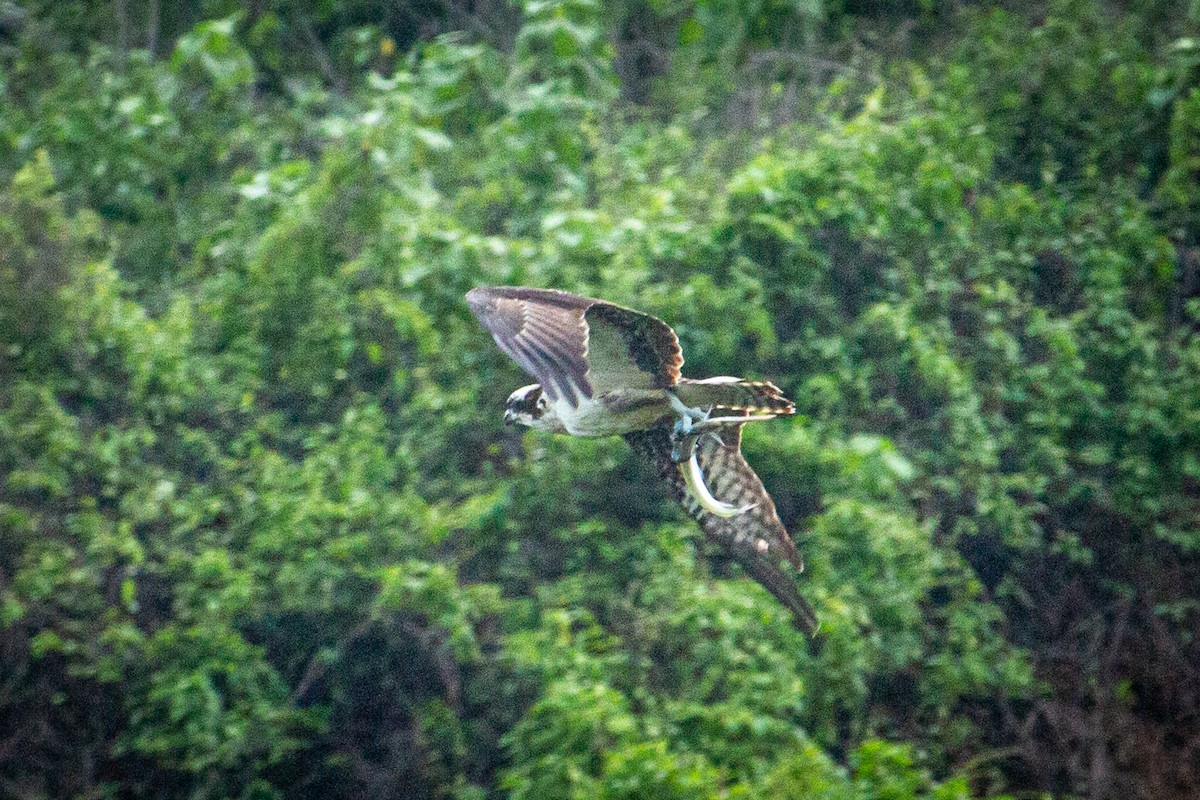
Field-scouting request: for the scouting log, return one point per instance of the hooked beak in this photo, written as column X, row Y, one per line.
column 509, row 417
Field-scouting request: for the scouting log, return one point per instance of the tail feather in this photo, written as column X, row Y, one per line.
column 734, row 394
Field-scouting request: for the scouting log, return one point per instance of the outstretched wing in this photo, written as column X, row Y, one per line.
column 577, row 347
column 756, row 538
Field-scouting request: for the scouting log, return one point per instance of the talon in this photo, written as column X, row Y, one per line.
column 690, row 426
column 686, row 412
column 683, row 440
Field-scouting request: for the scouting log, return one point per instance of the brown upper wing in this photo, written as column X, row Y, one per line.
column 578, row 346
column 756, row 539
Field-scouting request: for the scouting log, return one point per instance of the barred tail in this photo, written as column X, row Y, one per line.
column 733, row 395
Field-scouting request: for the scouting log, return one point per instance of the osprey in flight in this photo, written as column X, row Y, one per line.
column 607, row 370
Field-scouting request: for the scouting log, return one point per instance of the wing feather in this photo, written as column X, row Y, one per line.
column 555, row 349
column 757, row 538
column 630, row 350
column 543, row 331
column 539, row 363
column 578, row 346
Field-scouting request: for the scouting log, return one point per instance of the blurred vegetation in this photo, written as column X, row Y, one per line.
column 263, row 535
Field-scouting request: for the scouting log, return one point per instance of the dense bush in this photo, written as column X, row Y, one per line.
column 262, row 533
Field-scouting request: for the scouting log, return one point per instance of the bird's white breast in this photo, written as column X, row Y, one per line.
column 613, row 413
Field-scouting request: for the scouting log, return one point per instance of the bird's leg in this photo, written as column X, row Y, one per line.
column 687, row 433
column 683, row 444
column 687, row 414
column 690, row 426
column 683, row 440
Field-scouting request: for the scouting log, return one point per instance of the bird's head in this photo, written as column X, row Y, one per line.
column 529, row 406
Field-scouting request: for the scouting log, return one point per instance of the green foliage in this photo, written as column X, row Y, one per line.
column 40, row 250
column 263, row 535
column 1072, row 94
column 1177, row 191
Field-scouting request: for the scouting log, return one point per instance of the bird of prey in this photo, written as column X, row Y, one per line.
column 604, row 370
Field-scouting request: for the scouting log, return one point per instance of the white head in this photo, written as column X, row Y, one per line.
column 529, row 406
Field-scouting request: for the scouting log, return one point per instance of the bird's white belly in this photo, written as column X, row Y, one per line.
column 614, row 413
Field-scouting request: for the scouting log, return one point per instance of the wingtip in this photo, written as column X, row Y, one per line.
column 807, row 622
column 478, row 297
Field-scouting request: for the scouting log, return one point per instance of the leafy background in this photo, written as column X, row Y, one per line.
column 263, row 535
